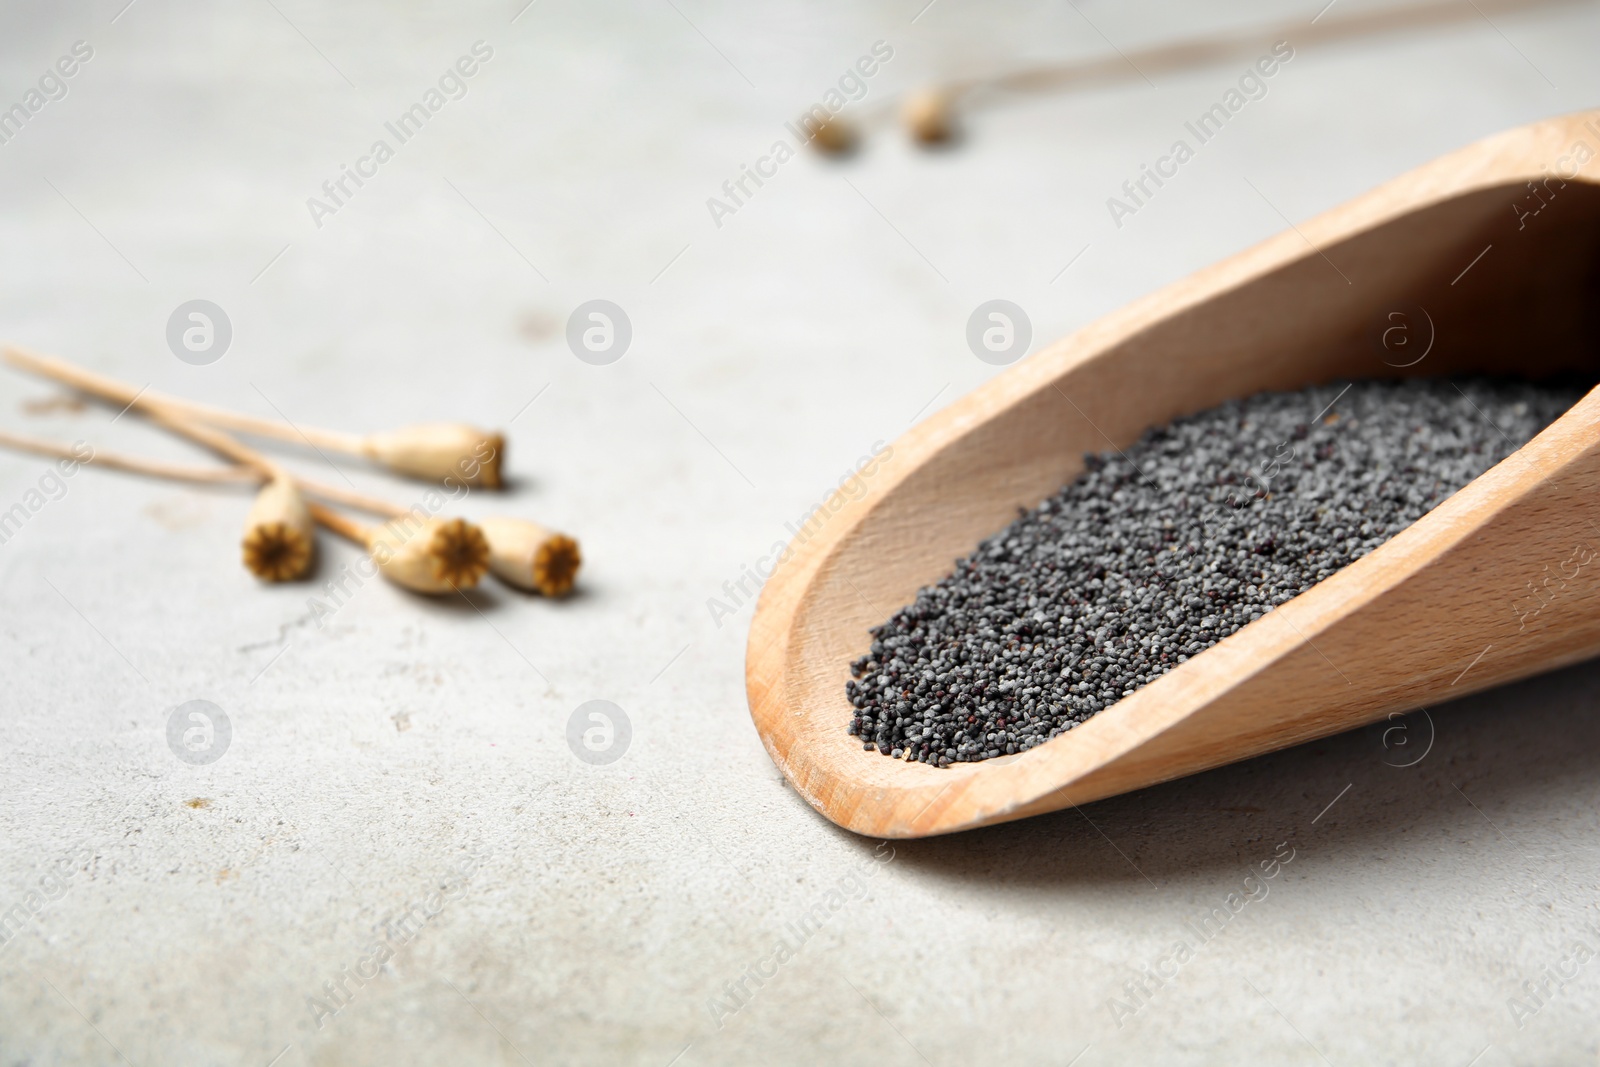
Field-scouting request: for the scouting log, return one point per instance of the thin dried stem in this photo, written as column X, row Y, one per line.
column 133, row 464
column 216, row 440
column 350, row 498
column 1175, row 57
column 423, row 554
column 342, row 525
column 179, row 472
column 435, row 451
column 333, row 440
column 119, row 392
column 231, row 448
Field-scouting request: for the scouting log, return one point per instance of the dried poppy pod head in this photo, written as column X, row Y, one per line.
column 832, row 136
column 929, row 115
column 279, row 537
column 526, row 555
column 430, row 555
column 435, row 451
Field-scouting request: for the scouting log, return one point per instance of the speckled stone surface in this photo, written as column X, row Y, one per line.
column 399, row 858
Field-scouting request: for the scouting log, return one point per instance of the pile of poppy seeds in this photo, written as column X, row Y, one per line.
column 1155, row 554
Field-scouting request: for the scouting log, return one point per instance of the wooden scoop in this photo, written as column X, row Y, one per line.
column 1487, row 261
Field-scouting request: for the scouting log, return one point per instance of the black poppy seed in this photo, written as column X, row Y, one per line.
column 1155, row 554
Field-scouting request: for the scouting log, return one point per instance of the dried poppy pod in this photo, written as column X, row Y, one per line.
column 528, row 556
column 433, row 556
column 832, row 136
column 929, row 115
column 436, row 451
column 422, row 553
column 425, row 555
column 279, row 535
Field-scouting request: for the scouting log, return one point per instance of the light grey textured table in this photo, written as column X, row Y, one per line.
column 399, row 749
